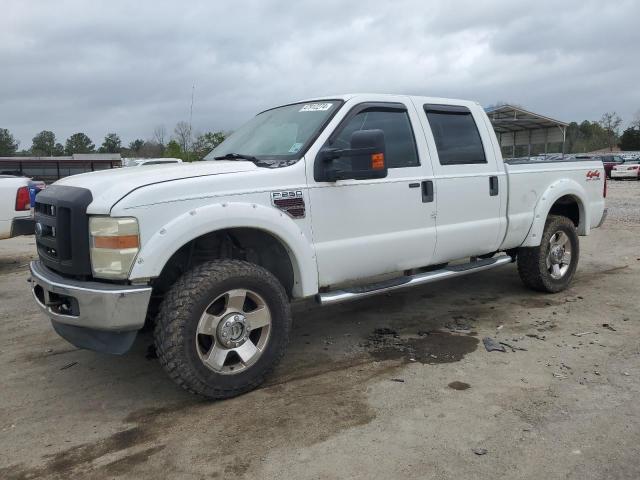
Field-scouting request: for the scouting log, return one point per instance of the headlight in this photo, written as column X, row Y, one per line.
column 114, row 245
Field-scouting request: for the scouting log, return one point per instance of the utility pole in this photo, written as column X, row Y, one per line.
column 193, row 90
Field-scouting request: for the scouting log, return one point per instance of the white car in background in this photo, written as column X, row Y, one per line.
column 140, row 162
column 628, row 169
column 15, row 206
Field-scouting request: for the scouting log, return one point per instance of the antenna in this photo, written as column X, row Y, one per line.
column 193, row 91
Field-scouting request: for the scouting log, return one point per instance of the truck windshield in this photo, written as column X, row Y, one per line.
column 280, row 136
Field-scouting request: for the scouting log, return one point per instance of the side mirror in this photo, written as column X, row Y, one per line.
column 364, row 159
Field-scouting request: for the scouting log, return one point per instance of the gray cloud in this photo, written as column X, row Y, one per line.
column 110, row 66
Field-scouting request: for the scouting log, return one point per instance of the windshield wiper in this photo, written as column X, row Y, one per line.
column 237, row 156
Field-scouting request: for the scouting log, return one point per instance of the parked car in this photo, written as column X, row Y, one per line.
column 609, row 161
column 629, row 169
column 312, row 199
column 17, row 196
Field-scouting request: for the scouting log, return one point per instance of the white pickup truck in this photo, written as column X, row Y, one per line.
column 15, row 207
column 335, row 198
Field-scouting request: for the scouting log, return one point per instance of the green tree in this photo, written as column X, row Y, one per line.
column 585, row 137
column 173, row 150
column 151, row 149
column 79, row 143
column 206, row 142
column 8, row 143
column 136, row 145
column 572, row 137
column 111, row 144
column 44, row 144
column 58, row 150
column 630, row 139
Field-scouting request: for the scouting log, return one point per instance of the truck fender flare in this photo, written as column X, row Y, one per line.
column 210, row 218
column 556, row 190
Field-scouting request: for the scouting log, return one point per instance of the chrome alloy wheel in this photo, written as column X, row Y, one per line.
column 233, row 331
column 559, row 255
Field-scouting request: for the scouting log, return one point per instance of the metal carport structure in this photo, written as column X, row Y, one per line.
column 50, row 169
column 516, row 126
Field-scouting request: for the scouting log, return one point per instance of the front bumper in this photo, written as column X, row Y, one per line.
column 624, row 174
column 94, row 315
column 22, row 226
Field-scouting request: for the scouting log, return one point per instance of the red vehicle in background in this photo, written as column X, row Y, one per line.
column 609, row 161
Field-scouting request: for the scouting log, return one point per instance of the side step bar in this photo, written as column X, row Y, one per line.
column 337, row 296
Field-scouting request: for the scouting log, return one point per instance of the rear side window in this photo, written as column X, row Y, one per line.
column 456, row 134
column 400, row 144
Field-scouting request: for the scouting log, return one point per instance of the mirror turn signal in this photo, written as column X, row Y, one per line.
column 377, row 161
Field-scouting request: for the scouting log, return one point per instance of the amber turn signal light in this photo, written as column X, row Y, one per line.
column 116, row 243
column 377, row 161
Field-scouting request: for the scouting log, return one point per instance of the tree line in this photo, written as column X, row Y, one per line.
column 588, row 136
column 182, row 144
column 581, row 137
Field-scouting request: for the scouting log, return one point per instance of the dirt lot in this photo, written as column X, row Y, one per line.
column 398, row 386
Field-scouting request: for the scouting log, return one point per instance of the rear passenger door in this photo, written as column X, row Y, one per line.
column 469, row 186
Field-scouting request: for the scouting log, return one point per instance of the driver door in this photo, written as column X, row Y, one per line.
column 363, row 228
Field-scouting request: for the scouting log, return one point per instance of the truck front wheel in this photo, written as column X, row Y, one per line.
column 550, row 267
column 222, row 328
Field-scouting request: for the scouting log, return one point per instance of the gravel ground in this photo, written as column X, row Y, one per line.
column 394, row 386
column 623, row 201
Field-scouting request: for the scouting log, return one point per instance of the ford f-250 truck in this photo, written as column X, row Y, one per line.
column 335, row 198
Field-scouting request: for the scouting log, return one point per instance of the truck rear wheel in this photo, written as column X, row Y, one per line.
column 222, row 328
column 550, row 267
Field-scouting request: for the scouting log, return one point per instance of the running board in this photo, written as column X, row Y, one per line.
column 452, row 271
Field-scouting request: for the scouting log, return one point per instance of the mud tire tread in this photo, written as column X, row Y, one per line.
column 177, row 309
column 531, row 260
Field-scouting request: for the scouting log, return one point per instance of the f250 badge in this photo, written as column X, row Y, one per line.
column 593, row 175
column 289, row 201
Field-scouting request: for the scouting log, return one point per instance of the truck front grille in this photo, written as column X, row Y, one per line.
column 62, row 236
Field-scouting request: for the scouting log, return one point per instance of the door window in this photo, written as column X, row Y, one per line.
column 456, row 135
column 400, row 143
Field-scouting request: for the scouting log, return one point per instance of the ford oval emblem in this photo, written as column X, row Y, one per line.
column 38, row 229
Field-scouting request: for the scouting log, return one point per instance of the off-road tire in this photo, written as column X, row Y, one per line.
column 180, row 312
column 532, row 260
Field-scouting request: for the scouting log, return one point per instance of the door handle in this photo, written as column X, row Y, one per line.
column 493, row 186
column 427, row 191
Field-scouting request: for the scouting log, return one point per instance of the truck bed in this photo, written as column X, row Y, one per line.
column 529, row 180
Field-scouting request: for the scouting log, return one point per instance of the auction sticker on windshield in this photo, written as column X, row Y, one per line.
column 295, row 148
column 316, row 107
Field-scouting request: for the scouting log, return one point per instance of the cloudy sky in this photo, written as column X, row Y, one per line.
column 104, row 66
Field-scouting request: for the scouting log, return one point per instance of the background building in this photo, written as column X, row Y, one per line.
column 50, row 169
column 522, row 133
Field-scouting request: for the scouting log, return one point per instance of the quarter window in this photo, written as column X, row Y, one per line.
column 400, row 144
column 456, row 134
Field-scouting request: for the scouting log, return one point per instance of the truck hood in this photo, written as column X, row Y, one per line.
column 109, row 186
